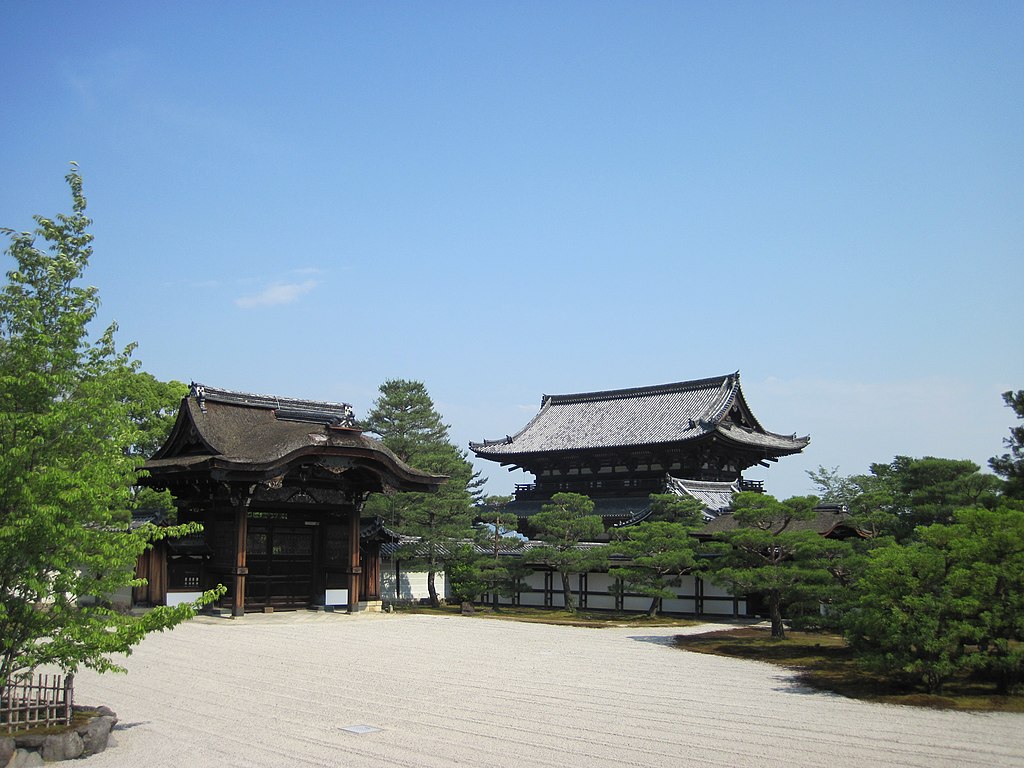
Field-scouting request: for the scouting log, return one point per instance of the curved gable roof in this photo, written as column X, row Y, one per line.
column 248, row 433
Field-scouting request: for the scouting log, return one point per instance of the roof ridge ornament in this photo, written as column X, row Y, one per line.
column 198, row 391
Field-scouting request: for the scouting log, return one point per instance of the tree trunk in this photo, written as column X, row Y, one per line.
column 653, row 610
column 775, row 612
column 432, row 590
column 567, row 593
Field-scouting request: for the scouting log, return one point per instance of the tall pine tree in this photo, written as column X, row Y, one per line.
column 405, row 419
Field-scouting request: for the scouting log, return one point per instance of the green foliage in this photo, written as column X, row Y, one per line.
column 1010, row 466
column 952, row 600
column 152, row 406
column 496, row 535
column 659, row 554
column 466, row 579
column 562, row 525
column 71, row 431
column 671, row 508
column 405, row 419
column 768, row 554
column 896, row 498
column 834, row 488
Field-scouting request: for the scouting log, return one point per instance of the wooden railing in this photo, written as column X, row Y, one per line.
column 41, row 701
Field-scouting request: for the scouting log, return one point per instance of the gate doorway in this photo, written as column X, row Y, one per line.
column 279, row 555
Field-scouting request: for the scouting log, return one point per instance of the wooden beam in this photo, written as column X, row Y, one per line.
column 354, row 569
column 241, row 505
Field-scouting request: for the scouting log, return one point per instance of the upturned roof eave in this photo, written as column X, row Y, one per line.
column 244, row 468
column 735, row 436
column 713, row 433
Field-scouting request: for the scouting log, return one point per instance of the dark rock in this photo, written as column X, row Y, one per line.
column 29, row 741
column 7, row 747
column 107, row 712
column 95, row 734
column 62, row 746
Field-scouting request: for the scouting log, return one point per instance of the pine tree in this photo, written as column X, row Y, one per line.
column 767, row 554
column 563, row 524
column 1010, row 466
column 405, row 419
column 660, row 551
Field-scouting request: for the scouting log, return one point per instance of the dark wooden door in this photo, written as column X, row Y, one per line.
column 279, row 555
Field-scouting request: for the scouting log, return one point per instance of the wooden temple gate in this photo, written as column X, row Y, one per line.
column 278, row 485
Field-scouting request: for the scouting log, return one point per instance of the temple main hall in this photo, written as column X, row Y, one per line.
column 618, row 447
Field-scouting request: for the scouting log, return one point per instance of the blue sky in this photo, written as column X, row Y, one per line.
column 509, row 199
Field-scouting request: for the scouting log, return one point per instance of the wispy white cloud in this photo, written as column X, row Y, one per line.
column 276, row 294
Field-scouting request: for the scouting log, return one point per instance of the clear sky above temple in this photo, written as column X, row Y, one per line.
column 510, row 199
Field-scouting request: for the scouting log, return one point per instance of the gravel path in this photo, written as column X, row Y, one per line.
column 277, row 690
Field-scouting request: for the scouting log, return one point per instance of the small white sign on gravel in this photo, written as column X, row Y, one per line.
column 361, row 729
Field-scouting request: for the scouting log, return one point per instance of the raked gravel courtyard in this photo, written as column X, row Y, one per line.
column 279, row 690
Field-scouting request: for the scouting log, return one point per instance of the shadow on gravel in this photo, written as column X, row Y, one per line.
column 669, row 640
column 793, row 684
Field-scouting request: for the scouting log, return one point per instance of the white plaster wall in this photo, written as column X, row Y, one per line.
column 412, row 584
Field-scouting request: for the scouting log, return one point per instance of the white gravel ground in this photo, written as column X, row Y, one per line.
column 277, row 690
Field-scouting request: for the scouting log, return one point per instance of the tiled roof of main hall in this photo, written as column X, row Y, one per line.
column 667, row 413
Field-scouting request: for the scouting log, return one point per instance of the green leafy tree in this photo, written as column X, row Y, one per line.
column 407, row 422
column 948, row 602
column 1010, row 466
column 659, row 554
column 769, row 554
column 563, row 525
column 152, row 406
column 68, row 460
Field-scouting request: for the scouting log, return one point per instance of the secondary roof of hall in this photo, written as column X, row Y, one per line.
column 667, row 413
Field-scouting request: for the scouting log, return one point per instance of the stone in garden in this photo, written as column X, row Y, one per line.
column 62, row 746
column 95, row 734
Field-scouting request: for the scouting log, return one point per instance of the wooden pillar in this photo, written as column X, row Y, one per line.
column 354, row 569
column 241, row 505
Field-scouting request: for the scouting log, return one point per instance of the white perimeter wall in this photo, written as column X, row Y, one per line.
column 412, row 585
column 716, row 601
